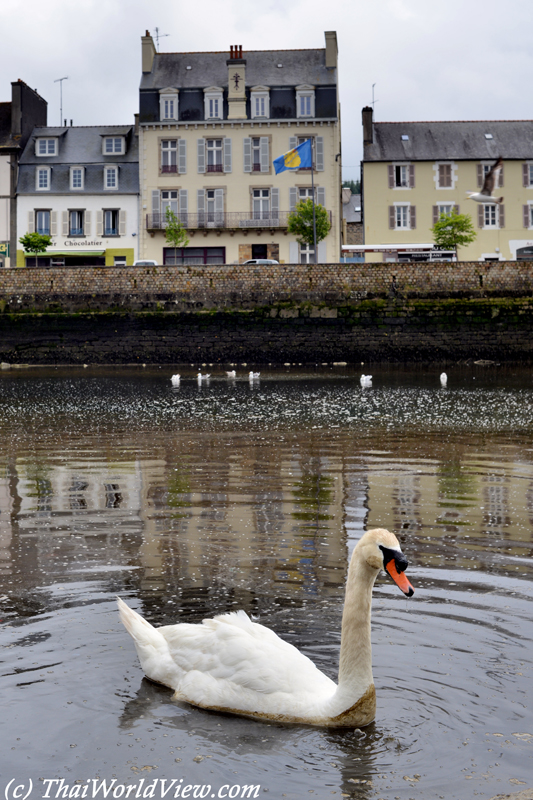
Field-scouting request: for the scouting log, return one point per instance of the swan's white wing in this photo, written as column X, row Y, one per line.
column 229, row 660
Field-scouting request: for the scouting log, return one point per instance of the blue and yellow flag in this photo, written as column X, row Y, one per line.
column 300, row 157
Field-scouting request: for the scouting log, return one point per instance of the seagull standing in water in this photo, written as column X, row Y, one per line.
column 175, row 380
column 491, row 180
column 443, row 379
column 366, row 381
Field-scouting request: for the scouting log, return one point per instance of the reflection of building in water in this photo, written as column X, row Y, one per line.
column 496, row 502
column 6, row 509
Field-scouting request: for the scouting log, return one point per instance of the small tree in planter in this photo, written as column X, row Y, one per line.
column 35, row 242
column 175, row 233
column 453, row 230
column 300, row 222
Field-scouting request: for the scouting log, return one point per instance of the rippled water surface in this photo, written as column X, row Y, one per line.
column 201, row 499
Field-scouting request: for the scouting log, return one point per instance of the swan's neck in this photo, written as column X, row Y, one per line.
column 355, row 665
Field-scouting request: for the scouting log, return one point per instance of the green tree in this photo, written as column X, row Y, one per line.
column 175, row 233
column 354, row 186
column 453, row 230
column 35, row 242
column 300, row 222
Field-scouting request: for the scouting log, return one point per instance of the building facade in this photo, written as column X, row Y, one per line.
column 17, row 120
column 414, row 171
column 211, row 125
column 80, row 185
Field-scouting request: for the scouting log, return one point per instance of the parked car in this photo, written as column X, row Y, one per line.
column 262, row 261
column 145, row 262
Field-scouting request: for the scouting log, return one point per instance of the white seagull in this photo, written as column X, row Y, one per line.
column 175, row 380
column 203, row 377
column 443, row 379
column 366, row 380
column 254, row 376
column 491, row 180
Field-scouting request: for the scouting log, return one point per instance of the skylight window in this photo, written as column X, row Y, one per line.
column 405, row 137
column 489, row 136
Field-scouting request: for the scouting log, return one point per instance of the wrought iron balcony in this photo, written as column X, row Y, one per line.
column 225, row 220
column 169, row 168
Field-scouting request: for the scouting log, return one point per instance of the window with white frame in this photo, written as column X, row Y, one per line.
column 260, row 105
column 42, row 222
column 401, row 176
column 445, row 208
column 169, row 199
column 261, row 203
column 490, row 215
column 168, row 105
column 213, row 149
column 401, row 217
column 113, row 145
column 42, row 179
column 256, row 154
column 169, row 155
column 46, row 147
column 305, row 102
column 213, row 103
column 307, row 254
column 110, row 177
column 527, row 175
column 75, row 222
column 76, row 177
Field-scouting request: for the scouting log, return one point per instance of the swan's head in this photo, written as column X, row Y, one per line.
column 381, row 550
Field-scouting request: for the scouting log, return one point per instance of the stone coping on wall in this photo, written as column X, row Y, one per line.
column 238, row 285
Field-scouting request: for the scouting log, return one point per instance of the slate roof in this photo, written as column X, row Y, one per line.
column 351, row 211
column 82, row 145
column 211, row 69
column 437, row 141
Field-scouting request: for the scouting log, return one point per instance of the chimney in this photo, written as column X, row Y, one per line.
column 148, row 52
column 331, row 49
column 65, row 125
column 368, row 125
column 236, row 83
column 136, row 129
column 71, row 123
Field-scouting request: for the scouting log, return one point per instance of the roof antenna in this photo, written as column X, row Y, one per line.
column 60, row 81
column 159, row 36
column 373, row 101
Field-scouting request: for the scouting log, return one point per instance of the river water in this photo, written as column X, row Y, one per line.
column 200, row 499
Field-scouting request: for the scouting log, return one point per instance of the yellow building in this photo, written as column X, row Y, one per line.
column 211, row 125
column 414, row 171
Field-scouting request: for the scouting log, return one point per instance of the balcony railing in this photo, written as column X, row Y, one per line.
column 228, row 220
column 169, row 168
column 214, row 168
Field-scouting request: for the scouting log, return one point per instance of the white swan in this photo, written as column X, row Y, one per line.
column 366, row 380
column 234, row 665
column 443, row 379
column 175, row 380
column 204, row 377
column 254, row 376
column 231, row 373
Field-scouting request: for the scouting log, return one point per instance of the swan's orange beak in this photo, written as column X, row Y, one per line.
column 399, row 578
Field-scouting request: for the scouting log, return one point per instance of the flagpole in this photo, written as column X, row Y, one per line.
column 313, row 195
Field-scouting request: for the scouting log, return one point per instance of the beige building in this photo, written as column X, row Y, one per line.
column 414, row 171
column 211, row 125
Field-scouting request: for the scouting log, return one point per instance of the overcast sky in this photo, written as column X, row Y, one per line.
column 440, row 60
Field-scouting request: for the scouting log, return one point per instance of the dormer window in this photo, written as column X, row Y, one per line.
column 111, row 177
column 114, row 145
column 46, row 147
column 168, row 104
column 260, row 102
column 76, row 177
column 305, row 101
column 213, row 102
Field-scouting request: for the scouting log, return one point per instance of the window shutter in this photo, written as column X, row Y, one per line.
column 525, row 174
column 392, row 218
column 183, row 207
column 526, row 216
column 321, row 252
column 122, row 222
column 100, row 222
column 247, row 153
column 435, row 214
column 264, row 154
column 156, row 207
column 64, row 223
column 321, row 196
column 87, row 223
column 182, row 156
column 501, row 215
column 412, row 215
column 219, row 206
column 293, row 142
column 53, row 223
column 293, row 198
column 293, row 252
column 500, row 181
column 200, row 146
column 274, row 203
column 411, row 176
column 319, row 153
column 31, row 221
column 480, row 175
column 391, row 176
column 200, row 205
column 480, row 218
column 227, row 154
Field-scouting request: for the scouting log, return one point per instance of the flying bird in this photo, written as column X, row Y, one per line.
column 491, row 180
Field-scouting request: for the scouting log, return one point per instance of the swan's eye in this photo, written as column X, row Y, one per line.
column 397, row 556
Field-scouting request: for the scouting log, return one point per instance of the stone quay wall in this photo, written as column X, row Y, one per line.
column 286, row 313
